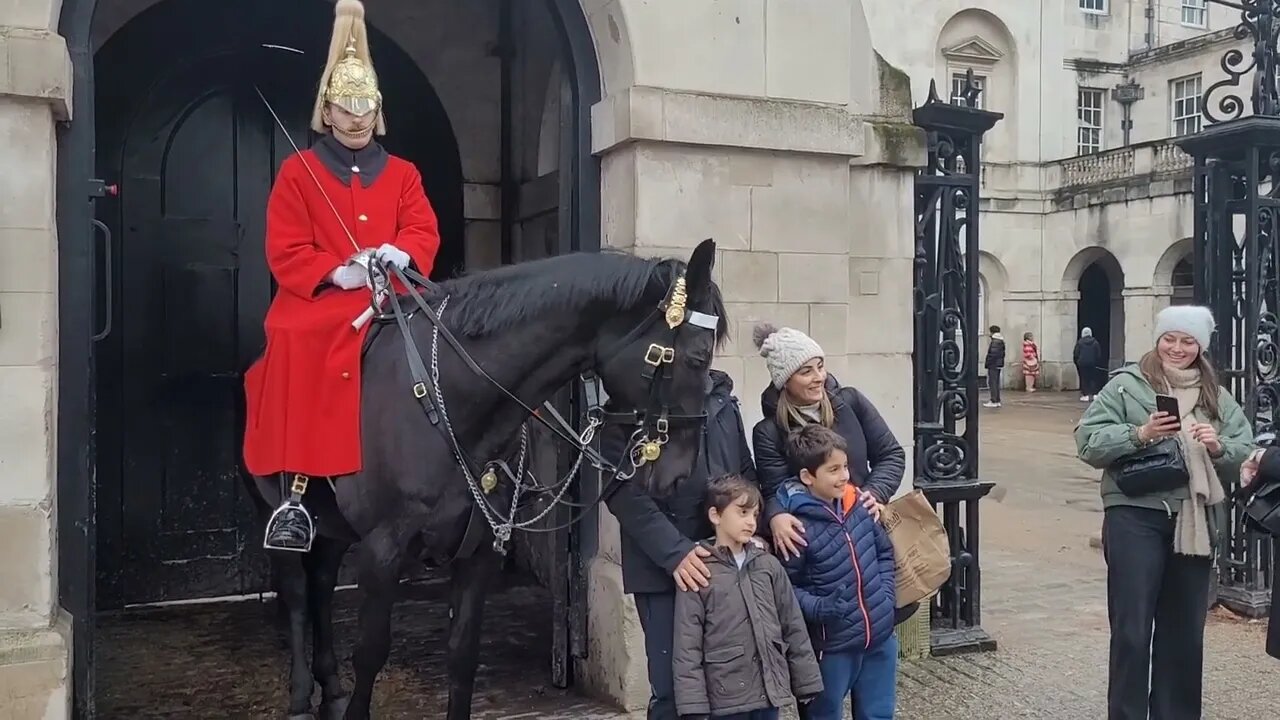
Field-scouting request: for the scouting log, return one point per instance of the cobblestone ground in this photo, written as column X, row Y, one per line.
column 1044, row 601
column 201, row 662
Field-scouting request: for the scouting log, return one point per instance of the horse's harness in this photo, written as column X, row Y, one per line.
column 653, row 422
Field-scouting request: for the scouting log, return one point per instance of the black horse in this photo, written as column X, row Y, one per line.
column 647, row 328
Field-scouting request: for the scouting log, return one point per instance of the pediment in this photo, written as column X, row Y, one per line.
column 974, row 49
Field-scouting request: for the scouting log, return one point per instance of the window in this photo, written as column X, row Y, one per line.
column 1195, row 13
column 1094, row 6
column 958, row 84
column 1088, row 121
column 1184, row 95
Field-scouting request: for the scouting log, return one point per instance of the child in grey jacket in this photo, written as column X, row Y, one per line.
column 741, row 648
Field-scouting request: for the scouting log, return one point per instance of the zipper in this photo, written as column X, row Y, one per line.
column 857, row 569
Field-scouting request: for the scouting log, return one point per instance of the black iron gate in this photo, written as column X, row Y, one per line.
column 946, row 354
column 1237, row 223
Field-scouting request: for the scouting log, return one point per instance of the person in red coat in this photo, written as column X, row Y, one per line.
column 332, row 207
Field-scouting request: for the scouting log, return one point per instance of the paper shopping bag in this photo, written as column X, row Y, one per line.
column 922, row 556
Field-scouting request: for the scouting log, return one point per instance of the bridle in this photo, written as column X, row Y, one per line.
column 653, row 422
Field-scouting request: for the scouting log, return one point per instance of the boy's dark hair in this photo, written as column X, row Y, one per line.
column 994, row 329
column 726, row 490
column 811, row 446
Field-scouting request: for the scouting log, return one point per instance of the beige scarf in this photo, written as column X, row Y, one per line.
column 1191, row 533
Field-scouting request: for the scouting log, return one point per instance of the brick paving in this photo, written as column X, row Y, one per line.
column 1044, row 600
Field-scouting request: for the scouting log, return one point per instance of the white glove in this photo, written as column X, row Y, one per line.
column 392, row 255
column 350, row 277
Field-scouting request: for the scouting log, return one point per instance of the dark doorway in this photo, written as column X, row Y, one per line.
column 1101, row 308
column 183, row 133
column 1183, row 282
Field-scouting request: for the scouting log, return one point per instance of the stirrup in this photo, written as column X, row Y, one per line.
column 290, row 527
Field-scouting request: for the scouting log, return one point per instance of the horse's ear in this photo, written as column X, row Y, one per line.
column 701, row 262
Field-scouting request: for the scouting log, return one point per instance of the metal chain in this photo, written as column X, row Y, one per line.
column 503, row 527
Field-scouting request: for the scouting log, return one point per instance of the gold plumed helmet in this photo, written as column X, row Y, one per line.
column 349, row 80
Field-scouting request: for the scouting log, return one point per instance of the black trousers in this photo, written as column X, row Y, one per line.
column 993, row 383
column 1157, row 603
column 1091, row 380
column 657, row 613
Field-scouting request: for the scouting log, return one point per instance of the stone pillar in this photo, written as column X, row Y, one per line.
column 1140, row 308
column 810, row 207
column 35, row 82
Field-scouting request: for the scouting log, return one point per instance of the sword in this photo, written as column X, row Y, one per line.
column 363, row 256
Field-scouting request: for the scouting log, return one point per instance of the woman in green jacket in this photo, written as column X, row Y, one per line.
column 1159, row 547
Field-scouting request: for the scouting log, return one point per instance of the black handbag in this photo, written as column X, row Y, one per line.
column 1158, row 467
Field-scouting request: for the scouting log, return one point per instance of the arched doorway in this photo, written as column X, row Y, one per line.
column 1101, row 305
column 1183, row 283
column 192, row 148
column 228, row 276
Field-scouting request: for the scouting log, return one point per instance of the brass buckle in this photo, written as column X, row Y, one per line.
column 420, row 390
column 657, row 355
column 299, row 486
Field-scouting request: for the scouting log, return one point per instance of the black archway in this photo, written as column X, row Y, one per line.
column 193, row 150
column 1094, row 308
column 1101, row 306
column 80, row 300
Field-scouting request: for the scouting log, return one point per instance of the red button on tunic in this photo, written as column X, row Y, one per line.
column 303, row 394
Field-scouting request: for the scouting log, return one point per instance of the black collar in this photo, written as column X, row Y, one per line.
column 367, row 162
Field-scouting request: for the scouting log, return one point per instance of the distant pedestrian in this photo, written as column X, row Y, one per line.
column 1030, row 361
column 1091, row 366
column 1159, row 532
column 995, row 367
column 741, row 648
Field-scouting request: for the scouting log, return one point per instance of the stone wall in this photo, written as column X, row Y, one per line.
column 801, row 172
column 34, row 640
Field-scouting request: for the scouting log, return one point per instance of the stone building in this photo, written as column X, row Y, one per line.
column 553, row 125
column 1087, row 209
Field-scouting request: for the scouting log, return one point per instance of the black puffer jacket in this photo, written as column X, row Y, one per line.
column 1088, row 354
column 876, row 461
column 657, row 532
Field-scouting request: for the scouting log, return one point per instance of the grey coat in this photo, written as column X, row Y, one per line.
column 741, row 643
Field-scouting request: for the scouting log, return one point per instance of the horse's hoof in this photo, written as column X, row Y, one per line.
column 335, row 709
column 302, row 716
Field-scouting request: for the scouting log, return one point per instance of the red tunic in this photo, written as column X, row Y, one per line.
column 303, row 394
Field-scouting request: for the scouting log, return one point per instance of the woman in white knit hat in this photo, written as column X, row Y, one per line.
column 801, row 392
column 1159, row 533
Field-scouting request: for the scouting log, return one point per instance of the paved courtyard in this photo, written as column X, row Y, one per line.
column 1043, row 600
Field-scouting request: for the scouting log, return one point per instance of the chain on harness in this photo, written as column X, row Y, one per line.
column 643, row 447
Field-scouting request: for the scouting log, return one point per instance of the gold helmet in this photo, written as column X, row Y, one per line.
column 349, row 80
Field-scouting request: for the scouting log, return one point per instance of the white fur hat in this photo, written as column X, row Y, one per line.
column 1193, row 320
column 784, row 351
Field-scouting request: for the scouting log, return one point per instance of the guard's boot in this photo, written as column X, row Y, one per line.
column 291, row 527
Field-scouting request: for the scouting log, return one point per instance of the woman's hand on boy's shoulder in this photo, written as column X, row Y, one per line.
column 873, row 506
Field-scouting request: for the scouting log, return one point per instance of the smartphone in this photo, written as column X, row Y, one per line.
column 1168, row 404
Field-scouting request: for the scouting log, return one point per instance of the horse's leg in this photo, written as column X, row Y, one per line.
column 322, row 565
column 380, row 558
column 292, row 591
column 471, row 579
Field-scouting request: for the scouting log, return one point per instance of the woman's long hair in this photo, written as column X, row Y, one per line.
column 1152, row 369
column 789, row 416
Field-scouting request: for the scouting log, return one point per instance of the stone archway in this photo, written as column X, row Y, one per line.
column 1096, row 277
column 80, row 250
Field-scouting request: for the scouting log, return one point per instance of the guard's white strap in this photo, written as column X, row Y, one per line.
column 702, row 320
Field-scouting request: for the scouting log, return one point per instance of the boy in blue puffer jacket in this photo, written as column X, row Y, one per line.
column 844, row 580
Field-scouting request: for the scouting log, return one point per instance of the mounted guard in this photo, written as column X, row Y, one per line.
column 331, row 209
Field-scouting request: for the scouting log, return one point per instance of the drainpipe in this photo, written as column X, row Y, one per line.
column 1150, row 13
column 1127, row 94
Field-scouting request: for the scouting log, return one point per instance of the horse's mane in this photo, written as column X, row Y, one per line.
column 491, row 301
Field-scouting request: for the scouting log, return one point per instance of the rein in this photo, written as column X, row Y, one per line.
column 643, row 447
